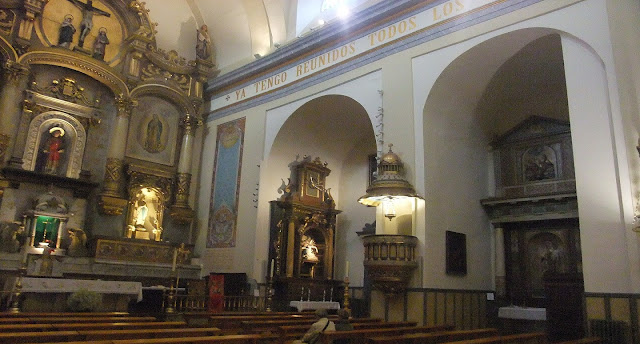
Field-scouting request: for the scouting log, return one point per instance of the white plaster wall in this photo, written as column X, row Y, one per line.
column 407, row 78
column 602, row 205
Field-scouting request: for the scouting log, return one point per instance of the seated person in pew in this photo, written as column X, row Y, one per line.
column 322, row 324
column 343, row 324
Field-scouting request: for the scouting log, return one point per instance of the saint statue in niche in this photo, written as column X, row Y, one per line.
column 51, row 152
column 141, row 213
column 66, row 32
column 100, row 44
column 153, row 139
column 87, row 18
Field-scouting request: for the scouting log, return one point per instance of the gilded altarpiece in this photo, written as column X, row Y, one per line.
column 94, row 111
column 302, row 237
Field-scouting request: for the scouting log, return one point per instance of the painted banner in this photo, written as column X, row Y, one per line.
column 223, row 209
column 430, row 17
column 216, row 293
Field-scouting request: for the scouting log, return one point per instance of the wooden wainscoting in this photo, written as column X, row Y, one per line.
column 464, row 309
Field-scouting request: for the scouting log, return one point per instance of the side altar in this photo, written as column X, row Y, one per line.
column 302, row 238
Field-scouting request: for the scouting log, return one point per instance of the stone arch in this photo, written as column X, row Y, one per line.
column 96, row 70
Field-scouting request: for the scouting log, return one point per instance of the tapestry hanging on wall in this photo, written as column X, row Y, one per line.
column 223, row 209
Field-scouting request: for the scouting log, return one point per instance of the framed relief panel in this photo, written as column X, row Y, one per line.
column 153, row 131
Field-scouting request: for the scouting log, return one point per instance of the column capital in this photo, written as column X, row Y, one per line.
column 14, row 72
column 190, row 124
column 125, row 105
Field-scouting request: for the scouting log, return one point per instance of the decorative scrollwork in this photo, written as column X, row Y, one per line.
column 151, row 72
column 7, row 18
column 66, row 89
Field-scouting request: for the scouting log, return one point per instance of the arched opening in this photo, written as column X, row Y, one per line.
column 336, row 129
column 479, row 103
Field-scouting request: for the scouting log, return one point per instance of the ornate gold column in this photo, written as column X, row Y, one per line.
column 181, row 211
column 111, row 200
column 500, row 274
column 15, row 80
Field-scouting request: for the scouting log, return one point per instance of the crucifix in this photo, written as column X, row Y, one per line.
column 87, row 17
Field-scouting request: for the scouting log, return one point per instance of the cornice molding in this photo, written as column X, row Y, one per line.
column 331, row 34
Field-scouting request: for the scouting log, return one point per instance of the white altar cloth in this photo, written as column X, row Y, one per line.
column 305, row 305
column 522, row 313
column 63, row 285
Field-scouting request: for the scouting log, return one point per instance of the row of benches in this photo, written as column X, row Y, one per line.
column 254, row 328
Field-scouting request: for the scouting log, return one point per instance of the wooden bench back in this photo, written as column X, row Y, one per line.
column 436, row 337
column 361, row 336
column 39, row 337
column 589, row 340
column 230, row 339
column 62, row 314
column 118, row 325
column 522, row 338
column 98, row 335
column 149, row 333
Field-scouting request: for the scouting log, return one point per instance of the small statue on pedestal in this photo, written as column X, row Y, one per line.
column 66, row 32
column 100, row 44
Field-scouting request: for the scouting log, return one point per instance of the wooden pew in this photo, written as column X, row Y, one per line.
column 297, row 331
column 273, row 326
column 230, row 339
column 198, row 318
column 589, row 340
column 522, row 338
column 39, row 337
column 15, row 320
column 102, row 335
column 62, row 314
column 526, row 338
column 118, row 325
column 5, row 328
column 361, row 336
column 149, row 333
column 85, row 319
column 234, row 323
column 436, row 337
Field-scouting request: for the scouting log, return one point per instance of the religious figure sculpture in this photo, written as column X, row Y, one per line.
column 203, row 44
column 141, row 213
column 87, row 18
column 53, row 150
column 153, row 141
column 77, row 247
column 100, row 44
column 66, row 32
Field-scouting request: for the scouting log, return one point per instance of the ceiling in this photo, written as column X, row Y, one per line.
column 242, row 28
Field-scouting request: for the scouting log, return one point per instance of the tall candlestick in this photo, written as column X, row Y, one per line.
column 331, row 295
column 175, row 259
column 346, row 270
column 308, row 294
column 271, row 270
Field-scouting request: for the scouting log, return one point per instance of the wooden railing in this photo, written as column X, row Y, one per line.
column 190, row 303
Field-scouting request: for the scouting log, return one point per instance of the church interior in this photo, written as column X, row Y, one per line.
column 467, row 164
